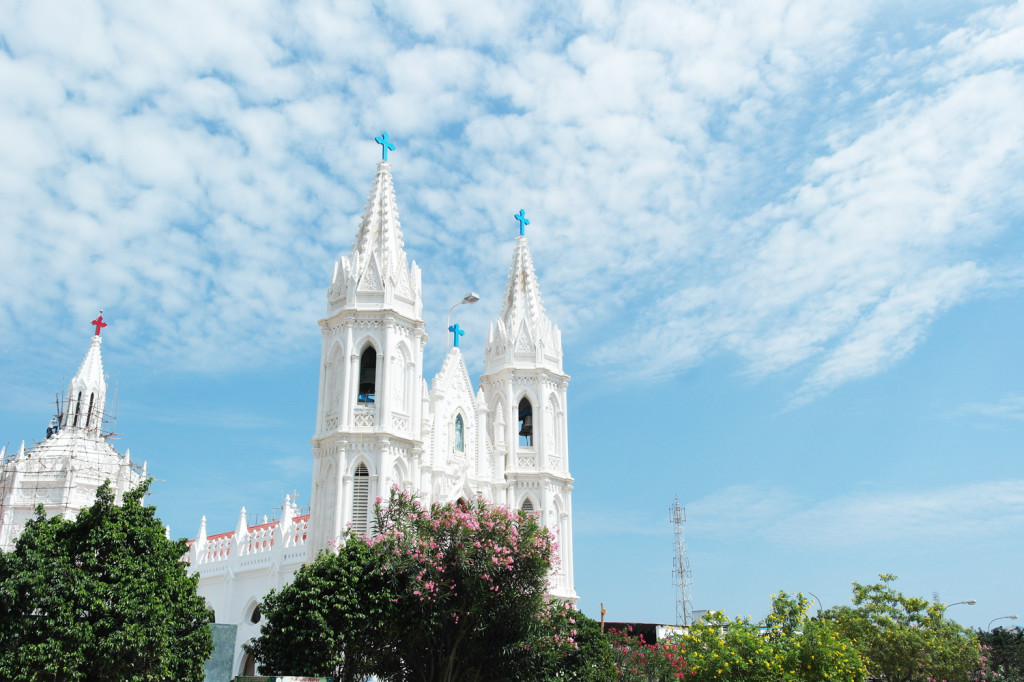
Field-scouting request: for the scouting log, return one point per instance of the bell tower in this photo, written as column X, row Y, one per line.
column 368, row 412
column 525, row 389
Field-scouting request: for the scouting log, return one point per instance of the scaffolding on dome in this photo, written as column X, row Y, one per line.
column 48, row 472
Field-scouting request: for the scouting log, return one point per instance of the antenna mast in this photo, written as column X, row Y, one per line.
column 681, row 566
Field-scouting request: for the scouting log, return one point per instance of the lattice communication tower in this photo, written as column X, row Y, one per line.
column 681, row 566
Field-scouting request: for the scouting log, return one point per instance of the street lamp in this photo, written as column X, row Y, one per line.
column 969, row 602
column 1000, row 618
column 819, row 602
column 471, row 297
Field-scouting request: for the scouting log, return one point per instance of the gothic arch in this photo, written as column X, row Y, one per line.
column 526, row 409
column 527, row 504
column 401, row 372
column 459, row 425
column 369, row 374
column 496, row 423
column 399, row 473
column 334, row 371
column 553, row 425
column 361, row 498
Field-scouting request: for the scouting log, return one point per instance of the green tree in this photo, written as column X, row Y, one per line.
column 571, row 646
column 786, row 645
column 103, row 597
column 449, row 592
column 332, row 619
column 905, row 639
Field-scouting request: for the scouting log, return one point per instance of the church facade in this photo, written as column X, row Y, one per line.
column 380, row 424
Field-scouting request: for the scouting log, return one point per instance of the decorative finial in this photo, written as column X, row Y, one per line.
column 523, row 221
column 385, row 144
column 99, row 323
column 456, row 332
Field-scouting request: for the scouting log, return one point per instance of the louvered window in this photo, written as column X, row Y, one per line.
column 527, row 506
column 360, row 499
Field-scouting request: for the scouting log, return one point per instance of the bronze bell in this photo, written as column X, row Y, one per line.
column 527, row 427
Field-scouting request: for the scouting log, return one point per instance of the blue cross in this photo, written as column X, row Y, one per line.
column 523, row 221
column 384, row 142
column 456, row 332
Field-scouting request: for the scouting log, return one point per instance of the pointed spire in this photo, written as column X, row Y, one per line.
column 523, row 333
column 201, row 537
column 21, row 451
column 377, row 272
column 243, row 527
column 522, row 292
column 87, row 392
column 379, row 250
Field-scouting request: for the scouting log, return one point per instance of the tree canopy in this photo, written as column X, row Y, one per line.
column 103, row 597
column 905, row 639
column 446, row 592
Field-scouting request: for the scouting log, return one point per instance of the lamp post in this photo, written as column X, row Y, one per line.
column 471, row 297
column 1000, row 618
column 820, row 605
column 969, row 602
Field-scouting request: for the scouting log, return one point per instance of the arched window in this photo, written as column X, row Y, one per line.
column 527, row 506
column 525, row 422
column 78, row 408
column 360, row 499
column 460, row 434
column 88, row 415
column 368, row 376
column 255, row 616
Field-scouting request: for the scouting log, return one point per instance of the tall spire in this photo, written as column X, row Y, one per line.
column 87, row 392
column 523, row 335
column 376, row 274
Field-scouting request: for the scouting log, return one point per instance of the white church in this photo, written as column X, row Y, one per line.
column 378, row 424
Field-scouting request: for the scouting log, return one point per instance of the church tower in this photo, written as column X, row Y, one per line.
column 525, row 390
column 63, row 471
column 368, row 427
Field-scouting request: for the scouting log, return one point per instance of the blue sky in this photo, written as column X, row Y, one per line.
column 781, row 238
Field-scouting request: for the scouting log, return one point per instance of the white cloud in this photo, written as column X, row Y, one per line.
column 747, row 177
column 864, row 522
column 1008, row 407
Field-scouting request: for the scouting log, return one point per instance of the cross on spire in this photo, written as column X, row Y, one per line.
column 456, row 332
column 523, row 221
column 385, row 143
column 99, row 323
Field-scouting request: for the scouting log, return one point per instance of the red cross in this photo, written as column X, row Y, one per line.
column 99, row 323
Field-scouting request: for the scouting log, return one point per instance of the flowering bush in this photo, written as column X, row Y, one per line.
column 446, row 592
column 469, row 581
column 638, row 661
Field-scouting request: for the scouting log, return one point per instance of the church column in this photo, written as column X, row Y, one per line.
column 344, row 511
column 346, row 418
column 383, row 393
